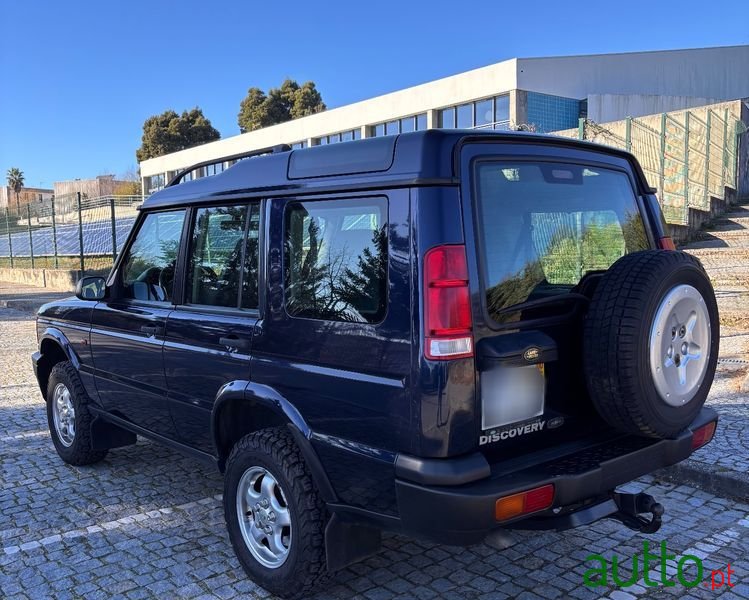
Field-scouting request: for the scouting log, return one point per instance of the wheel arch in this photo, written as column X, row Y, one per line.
column 54, row 348
column 243, row 407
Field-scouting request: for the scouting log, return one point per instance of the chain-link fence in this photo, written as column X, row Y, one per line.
column 688, row 158
column 66, row 232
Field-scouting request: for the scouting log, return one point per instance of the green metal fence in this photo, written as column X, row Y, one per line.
column 66, row 232
column 689, row 159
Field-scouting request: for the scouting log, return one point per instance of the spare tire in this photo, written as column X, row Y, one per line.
column 651, row 342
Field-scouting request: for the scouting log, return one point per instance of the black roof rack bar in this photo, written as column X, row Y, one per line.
column 270, row 150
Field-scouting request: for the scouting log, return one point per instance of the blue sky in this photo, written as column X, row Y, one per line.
column 79, row 78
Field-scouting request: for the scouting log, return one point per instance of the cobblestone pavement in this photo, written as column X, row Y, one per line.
column 724, row 252
column 147, row 523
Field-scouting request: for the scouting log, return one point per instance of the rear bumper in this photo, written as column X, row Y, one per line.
column 583, row 482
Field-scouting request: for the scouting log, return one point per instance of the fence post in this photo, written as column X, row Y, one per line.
column 707, row 157
column 114, row 230
column 663, row 155
column 31, row 237
column 10, row 237
column 54, row 233
column 628, row 134
column 686, row 158
column 581, row 128
column 736, row 148
column 80, row 230
column 725, row 151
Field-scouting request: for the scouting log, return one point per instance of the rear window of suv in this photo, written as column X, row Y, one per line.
column 545, row 225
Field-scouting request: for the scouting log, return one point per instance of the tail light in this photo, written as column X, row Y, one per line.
column 666, row 243
column 524, row 503
column 447, row 304
column 703, row 435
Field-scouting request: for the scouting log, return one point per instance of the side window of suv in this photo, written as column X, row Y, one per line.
column 224, row 257
column 336, row 259
column 148, row 267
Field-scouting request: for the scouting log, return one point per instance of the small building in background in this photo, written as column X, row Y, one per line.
column 27, row 196
column 103, row 185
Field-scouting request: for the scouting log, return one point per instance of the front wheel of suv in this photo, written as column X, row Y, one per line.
column 69, row 418
column 274, row 514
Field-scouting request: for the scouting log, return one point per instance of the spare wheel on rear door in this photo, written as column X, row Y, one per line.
column 651, row 342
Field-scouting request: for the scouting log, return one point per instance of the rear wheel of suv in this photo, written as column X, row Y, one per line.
column 651, row 342
column 69, row 418
column 274, row 514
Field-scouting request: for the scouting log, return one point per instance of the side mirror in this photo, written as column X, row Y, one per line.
column 91, row 288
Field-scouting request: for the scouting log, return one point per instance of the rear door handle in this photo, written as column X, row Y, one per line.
column 152, row 330
column 233, row 341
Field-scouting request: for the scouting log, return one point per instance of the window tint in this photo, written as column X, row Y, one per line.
column 336, row 259
column 217, row 254
column 148, row 267
column 546, row 225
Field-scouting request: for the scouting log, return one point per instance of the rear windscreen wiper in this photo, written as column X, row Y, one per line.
column 548, row 301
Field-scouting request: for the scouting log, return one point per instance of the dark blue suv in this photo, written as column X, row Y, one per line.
column 441, row 333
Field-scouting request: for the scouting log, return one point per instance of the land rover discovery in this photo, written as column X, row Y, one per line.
column 441, row 334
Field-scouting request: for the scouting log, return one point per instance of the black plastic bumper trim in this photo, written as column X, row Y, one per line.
column 442, row 471
column 464, row 514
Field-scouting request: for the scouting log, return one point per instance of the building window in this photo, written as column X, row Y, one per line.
column 502, row 111
column 213, row 169
column 154, row 183
column 404, row 125
column 465, row 116
column 552, row 113
column 334, row 138
column 489, row 113
column 299, row 145
column 447, row 118
column 484, row 113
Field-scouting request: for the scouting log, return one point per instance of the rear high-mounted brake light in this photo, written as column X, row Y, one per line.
column 524, row 503
column 703, row 435
column 447, row 304
column 666, row 243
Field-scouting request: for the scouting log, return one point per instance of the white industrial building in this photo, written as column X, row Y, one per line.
column 545, row 94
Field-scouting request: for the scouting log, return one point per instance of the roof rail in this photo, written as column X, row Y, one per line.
column 270, row 150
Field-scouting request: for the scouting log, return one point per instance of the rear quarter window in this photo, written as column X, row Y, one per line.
column 336, row 259
column 545, row 225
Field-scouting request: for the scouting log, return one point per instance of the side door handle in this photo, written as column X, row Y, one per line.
column 233, row 341
column 152, row 330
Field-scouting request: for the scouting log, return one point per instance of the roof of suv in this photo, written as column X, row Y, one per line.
column 422, row 157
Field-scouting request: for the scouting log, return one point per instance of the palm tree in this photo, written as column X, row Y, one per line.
column 15, row 182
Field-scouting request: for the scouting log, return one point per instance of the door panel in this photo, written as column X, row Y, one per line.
column 126, row 342
column 127, row 330
column 335, row 340
column 198, row 364
column 208, row 338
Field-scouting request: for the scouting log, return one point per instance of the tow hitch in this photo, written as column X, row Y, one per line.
column 631, row 506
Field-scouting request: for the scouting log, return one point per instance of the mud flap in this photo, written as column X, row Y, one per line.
column 105, row 435
column 347, row 543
